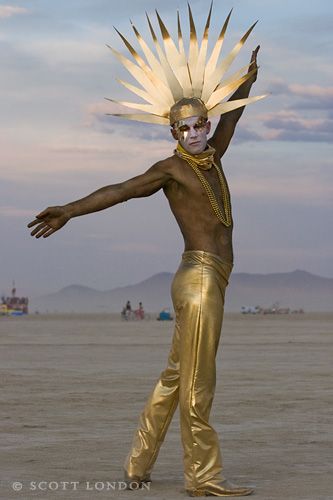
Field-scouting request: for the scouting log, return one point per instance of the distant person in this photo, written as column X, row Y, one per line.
column 194, row 183
column 140, row 313
column 127, row 311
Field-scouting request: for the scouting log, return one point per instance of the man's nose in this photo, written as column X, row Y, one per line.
column 193, row 132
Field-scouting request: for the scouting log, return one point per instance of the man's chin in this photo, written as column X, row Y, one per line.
column 195, row 150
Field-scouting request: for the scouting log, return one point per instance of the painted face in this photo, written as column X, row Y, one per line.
column 192, row 134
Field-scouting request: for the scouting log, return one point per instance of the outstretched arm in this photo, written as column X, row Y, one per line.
column 228, row 121
column 53, row 218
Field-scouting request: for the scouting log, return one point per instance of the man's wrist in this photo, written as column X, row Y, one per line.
column 69, row 210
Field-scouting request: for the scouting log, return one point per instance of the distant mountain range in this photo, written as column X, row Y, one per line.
column 297, row 289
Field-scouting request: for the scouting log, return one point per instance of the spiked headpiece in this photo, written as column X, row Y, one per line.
column 172, row 76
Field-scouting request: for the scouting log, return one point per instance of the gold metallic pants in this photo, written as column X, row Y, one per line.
column 189, row 379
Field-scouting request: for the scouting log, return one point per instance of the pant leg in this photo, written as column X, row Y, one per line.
column 156, row 417
column 198, row 294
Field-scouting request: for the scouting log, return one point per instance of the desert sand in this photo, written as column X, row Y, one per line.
column 73, row 387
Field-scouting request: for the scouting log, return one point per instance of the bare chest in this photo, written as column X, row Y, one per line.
column 208, row 187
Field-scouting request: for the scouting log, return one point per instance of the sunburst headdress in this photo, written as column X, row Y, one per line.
column 176, row 86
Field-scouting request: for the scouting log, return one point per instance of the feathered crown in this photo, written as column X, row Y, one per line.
column 172, row 76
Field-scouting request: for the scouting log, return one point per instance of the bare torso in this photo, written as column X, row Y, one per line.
column 188, row 200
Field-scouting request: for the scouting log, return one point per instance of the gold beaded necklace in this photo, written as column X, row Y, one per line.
column 205, row 161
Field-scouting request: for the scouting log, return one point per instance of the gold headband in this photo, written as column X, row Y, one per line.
column 187, row 107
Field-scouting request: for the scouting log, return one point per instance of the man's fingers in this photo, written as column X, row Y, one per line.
column 34, row 222
column 49, row 232
column 39, row 228
column 253, row 62
column 255, row 53
column 43, row 231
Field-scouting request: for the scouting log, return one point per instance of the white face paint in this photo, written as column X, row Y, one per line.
column 192, row 134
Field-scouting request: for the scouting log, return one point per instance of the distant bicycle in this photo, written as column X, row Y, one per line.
column 137, row 315
column 140, row 314
column 127, row 314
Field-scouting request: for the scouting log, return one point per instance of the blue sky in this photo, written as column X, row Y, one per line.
column 57, row 144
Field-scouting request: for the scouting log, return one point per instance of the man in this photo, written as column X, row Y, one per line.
column 193, row 182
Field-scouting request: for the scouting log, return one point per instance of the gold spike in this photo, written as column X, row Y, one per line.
column 141, row 93
column 180, row 37
column 173, row 83
column 217, row 75
column 189, row 92
column 198, row 77
column 146, row 118
column 215, row 78
column 141, row 63
column 211, row 64
column 136, row 56
column 149, row 108
column 235, row 76
column 227, row 106
column 145, row 68
column 176, row 59
column 164, row 32
column 226, row 89
column 141, row 77
column 152, row 61
column 194, row 47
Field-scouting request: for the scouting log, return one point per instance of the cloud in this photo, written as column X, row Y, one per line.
column 290, row 126
column 311, row 91
column 312, row 96
column 10, row 11
column 66, row 52
column 244, row 134
column 308, row 116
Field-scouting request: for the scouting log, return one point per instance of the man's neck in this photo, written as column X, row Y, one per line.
column 203, row 160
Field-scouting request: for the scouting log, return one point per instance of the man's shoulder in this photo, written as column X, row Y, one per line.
column 169, row 164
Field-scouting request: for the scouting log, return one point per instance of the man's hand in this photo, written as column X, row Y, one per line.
column 253, row 63
column 49, row 221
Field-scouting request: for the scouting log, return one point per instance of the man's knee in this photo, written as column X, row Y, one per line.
column 170, row 378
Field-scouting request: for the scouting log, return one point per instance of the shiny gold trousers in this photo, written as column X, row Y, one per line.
column 198, row 296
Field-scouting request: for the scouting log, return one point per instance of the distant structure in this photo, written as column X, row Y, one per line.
column 250, row 309
column 274, row 309
column 13, row 305
column 165, row 315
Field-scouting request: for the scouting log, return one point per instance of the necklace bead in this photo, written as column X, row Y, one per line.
column 226, row 218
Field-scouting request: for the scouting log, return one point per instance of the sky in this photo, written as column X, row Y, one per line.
column 57, row 143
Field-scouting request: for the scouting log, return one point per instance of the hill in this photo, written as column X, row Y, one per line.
column 297, row 289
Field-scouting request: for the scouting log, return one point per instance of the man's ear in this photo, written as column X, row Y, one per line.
column 174, row 133
column 208, row 127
